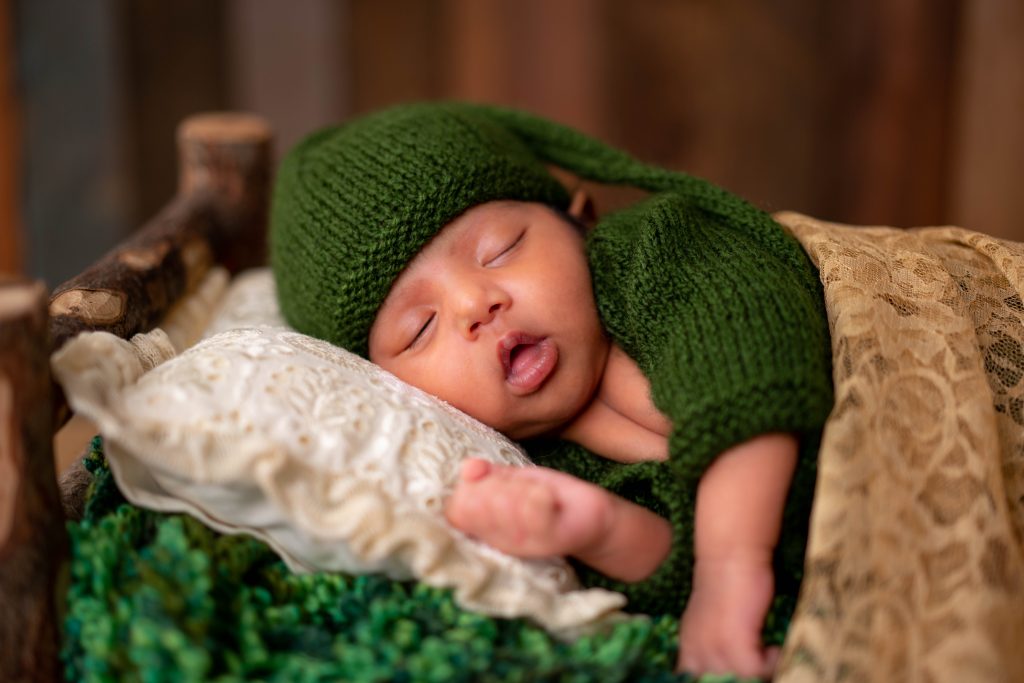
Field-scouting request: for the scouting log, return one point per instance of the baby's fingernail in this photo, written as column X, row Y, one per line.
column 475, row 469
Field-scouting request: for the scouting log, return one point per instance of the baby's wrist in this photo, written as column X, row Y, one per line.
column 595, row 544
column 736, row 554
column 631, row 542
column 734, row 573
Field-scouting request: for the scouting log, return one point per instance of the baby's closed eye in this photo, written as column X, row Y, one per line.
column 421, row 333
column 503, row 250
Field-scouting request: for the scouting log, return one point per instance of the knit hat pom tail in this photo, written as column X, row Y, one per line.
column 354, row 203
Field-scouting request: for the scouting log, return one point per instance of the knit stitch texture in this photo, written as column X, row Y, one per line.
column 726, row 319
column 354, row 203
column 719, row 306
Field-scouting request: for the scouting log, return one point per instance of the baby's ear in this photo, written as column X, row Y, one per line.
column 582, row 208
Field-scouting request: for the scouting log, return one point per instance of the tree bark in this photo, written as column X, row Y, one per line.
column 33, row 543
column 130, row 289
column 224, row 158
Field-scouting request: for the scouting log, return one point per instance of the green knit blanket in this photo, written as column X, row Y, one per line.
column 155, row 597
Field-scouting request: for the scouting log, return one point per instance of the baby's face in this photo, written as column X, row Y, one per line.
column 496, row 316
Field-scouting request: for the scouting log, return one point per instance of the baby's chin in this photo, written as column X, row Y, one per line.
column 556, row 419
column 528, row 431
column 520, row 432
column 549, row 423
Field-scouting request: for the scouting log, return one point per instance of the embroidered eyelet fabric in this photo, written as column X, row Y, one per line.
column 333, row 462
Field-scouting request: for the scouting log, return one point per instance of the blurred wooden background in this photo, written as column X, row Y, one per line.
column 900, row 112
column 903, row 112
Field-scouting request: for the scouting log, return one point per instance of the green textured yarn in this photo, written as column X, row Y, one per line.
column 727, row 321
column 353, row 203
column 719, row 306
column 155, row 597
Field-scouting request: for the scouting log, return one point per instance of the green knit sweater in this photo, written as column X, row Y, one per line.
column 727, row 321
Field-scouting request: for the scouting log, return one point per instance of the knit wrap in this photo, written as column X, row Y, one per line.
column 728, row 324
column 354, row 203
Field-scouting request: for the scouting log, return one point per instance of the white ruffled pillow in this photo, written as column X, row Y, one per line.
column 332, row 461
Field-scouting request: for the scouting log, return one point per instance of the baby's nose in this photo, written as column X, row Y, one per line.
column 492, row 310
column 478, row 304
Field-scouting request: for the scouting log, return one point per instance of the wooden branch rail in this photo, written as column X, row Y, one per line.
column 218, row 215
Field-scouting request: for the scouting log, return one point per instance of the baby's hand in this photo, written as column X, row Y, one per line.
column 721, row 627
column 528, row 511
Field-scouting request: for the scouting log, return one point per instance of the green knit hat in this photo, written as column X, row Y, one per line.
column 354, row 203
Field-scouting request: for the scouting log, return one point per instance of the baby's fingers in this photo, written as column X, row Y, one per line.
column 512, row 514
column 471, row 506
column 721, row 661
column 474, row 469
column 712, row 650
column 771, row 661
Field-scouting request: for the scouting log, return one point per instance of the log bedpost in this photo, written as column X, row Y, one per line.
column 33, row 543
column 226, row 157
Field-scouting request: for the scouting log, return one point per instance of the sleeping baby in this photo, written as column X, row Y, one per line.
column 667, row 366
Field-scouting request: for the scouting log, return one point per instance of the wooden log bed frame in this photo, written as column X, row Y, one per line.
column 219, row 215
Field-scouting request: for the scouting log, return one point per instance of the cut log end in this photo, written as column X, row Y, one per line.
column 93, row 306
column 224, row 128
column 18, row 298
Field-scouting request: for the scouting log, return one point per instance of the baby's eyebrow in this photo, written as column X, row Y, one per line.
column 467, row 239
column 396, row 301
column 402, row 296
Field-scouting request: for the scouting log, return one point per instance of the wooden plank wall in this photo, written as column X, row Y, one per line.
column 837, row 110
column 868, row 112
column 988, row 139
column 11, row 255
column 888, row 118
column 77, row 195
column 301, row 81
column 174, row 64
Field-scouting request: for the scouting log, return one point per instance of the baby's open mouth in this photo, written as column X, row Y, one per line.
column 527, row 360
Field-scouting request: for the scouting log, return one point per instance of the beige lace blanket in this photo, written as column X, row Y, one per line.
column 915, row 566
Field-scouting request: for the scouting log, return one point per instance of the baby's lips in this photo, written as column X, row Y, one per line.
column 508, row 342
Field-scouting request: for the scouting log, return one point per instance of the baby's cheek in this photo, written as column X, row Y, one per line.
column 482, row 409
column 431, row 379
column 466, row 392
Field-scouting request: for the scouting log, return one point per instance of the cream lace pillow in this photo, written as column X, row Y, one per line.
column 335, row 463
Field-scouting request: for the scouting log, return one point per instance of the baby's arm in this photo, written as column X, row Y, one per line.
column 539, row 512
column 738, row 519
